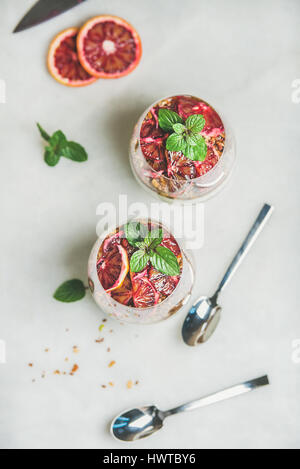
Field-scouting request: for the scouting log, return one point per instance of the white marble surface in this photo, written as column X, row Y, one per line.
column 240, row 56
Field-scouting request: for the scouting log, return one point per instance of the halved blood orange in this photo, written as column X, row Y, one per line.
column 113, row 268
column 144, row 293
column 108, row 47
column 63, row 62
column 123, row 294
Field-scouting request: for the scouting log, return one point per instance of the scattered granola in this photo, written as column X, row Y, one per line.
column 129, row 384
column 108, row 349
column 98, row 341
column 30, row 364
column 75, row 349
column 111, row 383
column 56, row 372
column 112, row 363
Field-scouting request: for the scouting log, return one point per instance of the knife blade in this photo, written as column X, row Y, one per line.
column 44, row 10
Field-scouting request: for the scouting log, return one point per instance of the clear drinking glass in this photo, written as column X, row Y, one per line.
column 146, row 315
column 183, row 189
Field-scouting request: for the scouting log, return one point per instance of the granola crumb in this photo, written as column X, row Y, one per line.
column 108, row 349
column 129, row 384
column 74, row 369
column 56, row 372
column 111, row 383
column 112, row 363
column 30, row 365
column 66, row 359
column 46, row 350
column 104, row 320
column 137, row 382
column 98, row 341
column 75, row 349
column 103, row 386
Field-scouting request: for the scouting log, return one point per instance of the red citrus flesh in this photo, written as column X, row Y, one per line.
column 112, row 268
column 108, row 47
column 123, row 294
column 163, row 284
column 63, row 62
column 144, row 293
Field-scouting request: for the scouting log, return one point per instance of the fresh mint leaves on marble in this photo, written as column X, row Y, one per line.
column 59, row 146
column 70, row 291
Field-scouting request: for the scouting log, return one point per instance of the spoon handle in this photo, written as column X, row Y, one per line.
column 221, row 395
column 257, row 227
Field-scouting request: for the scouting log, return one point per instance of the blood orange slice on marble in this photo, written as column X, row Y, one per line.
column 109, row 47
column 63, row 61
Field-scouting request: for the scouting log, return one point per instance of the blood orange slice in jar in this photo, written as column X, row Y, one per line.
column 144, row 292
column 108, row 47
column 63, row 62
column 112, row 268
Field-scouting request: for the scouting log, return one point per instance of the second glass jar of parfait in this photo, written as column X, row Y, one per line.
column 146, row 291
column 170, row 174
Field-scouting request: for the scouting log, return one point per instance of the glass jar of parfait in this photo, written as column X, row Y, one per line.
column 139, row 273
column 182, row 149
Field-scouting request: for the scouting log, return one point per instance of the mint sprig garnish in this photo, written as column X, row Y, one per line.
column 59, row 146
column 70, row 291
column 185, row 136
column 150, row 250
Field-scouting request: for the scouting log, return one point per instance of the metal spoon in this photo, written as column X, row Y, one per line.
column 140, row 422
column 203, row 318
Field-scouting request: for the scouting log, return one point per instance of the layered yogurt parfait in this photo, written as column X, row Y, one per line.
column 181, row 149
column 140, row 273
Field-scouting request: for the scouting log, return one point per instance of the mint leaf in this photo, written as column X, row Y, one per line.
column 165, row 261
column 74, row 151
column 135, row 233
column 154, row 238
column 196, row 152
column 72, row 290
column 50, row 157
column 179, row 128
column 194, row 139
column 138, row 261
column 43, row 133
column 58, row 141
column 195, row 123
column 167, row 118
column 175, row 142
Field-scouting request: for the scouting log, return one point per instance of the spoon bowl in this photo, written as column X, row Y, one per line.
column 201, row 321
column 137, row 423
